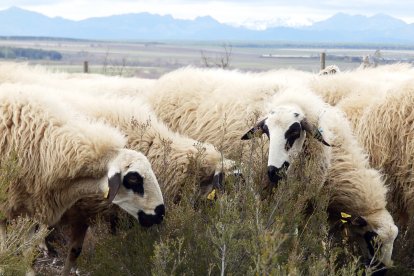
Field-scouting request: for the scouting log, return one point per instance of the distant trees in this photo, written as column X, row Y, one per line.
column 28, row 53
column 221, row 61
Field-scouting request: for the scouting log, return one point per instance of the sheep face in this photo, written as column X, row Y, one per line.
column 286, row 127
column 375, row 234
column 134, row 187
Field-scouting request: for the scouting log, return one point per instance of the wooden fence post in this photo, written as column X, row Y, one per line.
column 85, row 67
column 323, row 58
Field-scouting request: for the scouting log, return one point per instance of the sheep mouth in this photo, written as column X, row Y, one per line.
column 146, row 220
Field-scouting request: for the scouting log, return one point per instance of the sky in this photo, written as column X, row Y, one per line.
column 256, row 14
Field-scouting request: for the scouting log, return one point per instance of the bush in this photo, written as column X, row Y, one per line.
column 239, row 233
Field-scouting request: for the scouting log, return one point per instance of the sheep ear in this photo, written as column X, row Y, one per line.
column 114, row 182
column 257, row 130
column 314, row 131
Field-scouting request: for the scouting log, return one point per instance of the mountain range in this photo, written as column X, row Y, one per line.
column 341, row 27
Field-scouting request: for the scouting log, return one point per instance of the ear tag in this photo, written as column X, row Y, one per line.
column 212, row 195
column 345, row 217
column 106, row 192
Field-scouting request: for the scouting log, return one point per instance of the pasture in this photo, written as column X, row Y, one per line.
column 152, row 59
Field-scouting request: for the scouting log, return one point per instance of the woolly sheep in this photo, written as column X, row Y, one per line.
column 128, row 114
column 93, row 83
column 198, row 102
column 384, row 126
column 63, row 158
column 369, row 82
column 355, row 188
column 111, row 86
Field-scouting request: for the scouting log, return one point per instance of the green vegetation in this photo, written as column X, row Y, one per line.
column 28, row 53
column 246, row 231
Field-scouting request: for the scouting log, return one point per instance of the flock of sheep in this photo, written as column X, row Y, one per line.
column 85, row 141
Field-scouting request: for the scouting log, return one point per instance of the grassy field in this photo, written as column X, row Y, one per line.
column 152, row 59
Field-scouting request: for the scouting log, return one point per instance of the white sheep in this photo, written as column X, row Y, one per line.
column 12, row 72
column 329, row 70
column 100, row 85
column 63, row 158
column 370, row 82
column 384, row 126
column 129, row 114
column 198, row 102
column 340, row 161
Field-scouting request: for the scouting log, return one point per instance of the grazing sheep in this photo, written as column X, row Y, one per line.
column 213, row 105
column 129, row 115
column 63, row 158
column 386, row 129
column 340, row 161
column 110, row 86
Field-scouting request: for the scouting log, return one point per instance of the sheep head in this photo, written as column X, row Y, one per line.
column 134, row 187
column 286, row 127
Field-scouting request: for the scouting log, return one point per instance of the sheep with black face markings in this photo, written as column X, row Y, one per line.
column 384, row 126
column 63, row 158
column 355, row 188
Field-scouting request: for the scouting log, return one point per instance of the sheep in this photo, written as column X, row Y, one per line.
column 128, row 114
column 384, row 126
column 329, row 70
column 62, row 158
column 197, row 102
column 12, row 72
column 370, row 82
column 110, row 86
column 340, row 161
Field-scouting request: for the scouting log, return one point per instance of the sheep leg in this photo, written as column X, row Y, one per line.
column 78, row 232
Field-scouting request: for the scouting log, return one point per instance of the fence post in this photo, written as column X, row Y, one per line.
column 85, row 67
column 323, row 58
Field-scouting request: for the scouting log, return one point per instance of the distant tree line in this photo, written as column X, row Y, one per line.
column 28, row 53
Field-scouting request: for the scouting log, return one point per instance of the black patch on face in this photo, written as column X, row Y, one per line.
column 276, row 174
column 133, row 181
column 292, row 134
column 149, row 220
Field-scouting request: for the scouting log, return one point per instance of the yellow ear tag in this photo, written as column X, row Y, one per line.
column 344, row 221
column 345, row 215
column 211, row 195
column 106, row 192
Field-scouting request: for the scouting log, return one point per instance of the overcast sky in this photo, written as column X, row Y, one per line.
column 242, row 12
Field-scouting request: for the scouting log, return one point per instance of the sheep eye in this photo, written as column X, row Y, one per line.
column 135, row 182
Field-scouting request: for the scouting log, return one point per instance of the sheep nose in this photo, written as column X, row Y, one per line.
column 160, row 211
column 276, row 174
column 149, row 220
